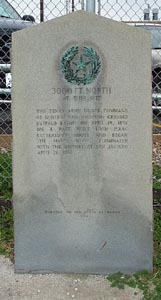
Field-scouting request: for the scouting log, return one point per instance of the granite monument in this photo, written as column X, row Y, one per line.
column 82, row 146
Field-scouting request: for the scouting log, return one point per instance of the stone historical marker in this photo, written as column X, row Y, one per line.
column 82, row 146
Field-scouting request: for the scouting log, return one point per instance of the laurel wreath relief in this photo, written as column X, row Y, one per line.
column 71, row 75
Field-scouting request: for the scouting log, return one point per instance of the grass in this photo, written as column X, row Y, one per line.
column 5, row 175
column 156, row 177
column 6, row 212
column 6, row 233
column 149, row 283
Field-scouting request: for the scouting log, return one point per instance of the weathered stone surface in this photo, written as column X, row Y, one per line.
column 82, row 153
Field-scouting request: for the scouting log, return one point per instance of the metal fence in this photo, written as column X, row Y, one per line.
column 17, row 14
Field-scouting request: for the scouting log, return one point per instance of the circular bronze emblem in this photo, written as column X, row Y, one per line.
column 80, row 66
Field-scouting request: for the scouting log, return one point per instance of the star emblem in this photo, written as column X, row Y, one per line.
column 81, row 64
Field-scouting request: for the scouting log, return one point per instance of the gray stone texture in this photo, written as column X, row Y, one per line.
column 82, row 172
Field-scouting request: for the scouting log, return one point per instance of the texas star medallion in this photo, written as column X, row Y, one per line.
column 80, row 65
